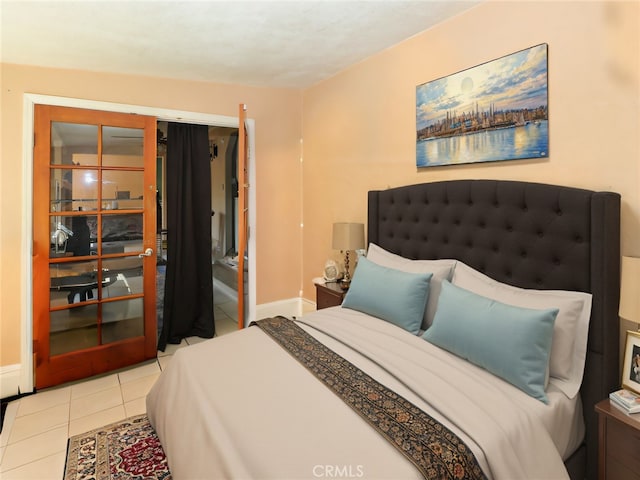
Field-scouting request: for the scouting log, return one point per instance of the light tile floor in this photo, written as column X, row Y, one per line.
column 34, row 437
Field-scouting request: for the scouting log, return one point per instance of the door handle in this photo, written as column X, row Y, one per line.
column 147, row 253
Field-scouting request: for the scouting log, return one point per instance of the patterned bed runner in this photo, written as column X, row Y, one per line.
column 435, row 450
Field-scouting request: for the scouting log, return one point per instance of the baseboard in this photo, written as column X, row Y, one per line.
column 307, row 306
column 292, row 307
column 9, row 380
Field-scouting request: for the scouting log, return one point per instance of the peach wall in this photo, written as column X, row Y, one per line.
column 277, row 114
column 359, row 126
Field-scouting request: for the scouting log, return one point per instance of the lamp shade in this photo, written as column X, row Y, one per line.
column 348, row 236
column 630, row 289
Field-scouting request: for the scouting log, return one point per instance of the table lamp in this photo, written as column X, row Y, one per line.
column 346, row 237
column 630, row 289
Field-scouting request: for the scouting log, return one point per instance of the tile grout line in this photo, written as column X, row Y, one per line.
column 48, row 429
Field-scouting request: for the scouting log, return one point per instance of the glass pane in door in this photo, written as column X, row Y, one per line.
column 122, row 319
column 72, row 236
column 74, row 144
column 72, row 283
column 73, row 190
column 122, row 147
column 122, row 189
column 121, row 233
column 122, row 277
column 73, row 329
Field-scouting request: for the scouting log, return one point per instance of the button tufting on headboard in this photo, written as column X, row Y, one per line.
column 507, row 218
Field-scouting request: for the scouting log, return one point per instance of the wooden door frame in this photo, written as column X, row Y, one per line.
column 26, row 384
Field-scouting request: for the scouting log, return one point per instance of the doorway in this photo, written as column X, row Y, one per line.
column 224, row 224
column 26, row 383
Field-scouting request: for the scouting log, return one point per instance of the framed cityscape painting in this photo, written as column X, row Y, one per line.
column 491, row 112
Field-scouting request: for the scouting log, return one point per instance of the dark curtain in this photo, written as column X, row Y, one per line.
column 188, row 299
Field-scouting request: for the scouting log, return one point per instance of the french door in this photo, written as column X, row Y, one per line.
column 243, row 211
column 94, row 234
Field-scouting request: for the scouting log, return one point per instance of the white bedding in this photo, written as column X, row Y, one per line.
column 239, row 406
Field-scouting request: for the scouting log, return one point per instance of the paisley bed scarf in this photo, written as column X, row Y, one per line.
column 435, row 450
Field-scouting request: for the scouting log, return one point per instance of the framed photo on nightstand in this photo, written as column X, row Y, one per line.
column 631, row 362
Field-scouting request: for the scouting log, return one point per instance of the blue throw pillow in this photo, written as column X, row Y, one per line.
column 395, row 296
column 511, row 342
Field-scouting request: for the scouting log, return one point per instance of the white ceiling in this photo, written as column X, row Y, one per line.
column 261, row 43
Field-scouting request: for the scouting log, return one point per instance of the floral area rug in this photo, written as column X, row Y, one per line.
column 126, row 450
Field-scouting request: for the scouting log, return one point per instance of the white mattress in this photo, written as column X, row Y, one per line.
column 239, row 406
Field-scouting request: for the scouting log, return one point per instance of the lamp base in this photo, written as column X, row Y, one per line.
column 347, row 277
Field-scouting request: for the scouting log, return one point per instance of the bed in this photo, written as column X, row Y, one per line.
column 241, row 406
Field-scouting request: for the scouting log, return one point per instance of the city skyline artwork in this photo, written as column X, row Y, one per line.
column 491, row 112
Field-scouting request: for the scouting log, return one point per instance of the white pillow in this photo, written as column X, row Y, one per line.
column 571, row 329
column 441, row 270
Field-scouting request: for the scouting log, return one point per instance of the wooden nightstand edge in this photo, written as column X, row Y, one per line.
column 605, row 407
column 608, row 412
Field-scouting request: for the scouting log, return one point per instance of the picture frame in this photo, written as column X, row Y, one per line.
column 492, row 112
column 631, row 362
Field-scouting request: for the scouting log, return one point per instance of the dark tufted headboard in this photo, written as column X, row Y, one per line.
column 529, row 235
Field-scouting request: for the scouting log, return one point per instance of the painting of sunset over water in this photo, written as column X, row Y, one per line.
column 491, row 112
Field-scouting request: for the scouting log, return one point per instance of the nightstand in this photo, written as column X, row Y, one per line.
column 619, row 443
column 330, row 294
